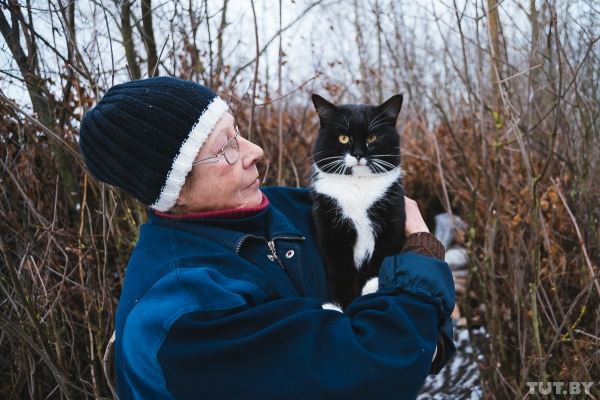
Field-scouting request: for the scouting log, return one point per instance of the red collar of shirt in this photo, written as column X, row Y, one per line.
column 231, row 213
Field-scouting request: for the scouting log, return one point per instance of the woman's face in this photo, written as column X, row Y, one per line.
column 219, row 185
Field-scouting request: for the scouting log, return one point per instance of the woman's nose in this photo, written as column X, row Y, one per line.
column 250, row 152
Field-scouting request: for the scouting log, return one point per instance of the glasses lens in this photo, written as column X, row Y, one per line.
column 231, row 151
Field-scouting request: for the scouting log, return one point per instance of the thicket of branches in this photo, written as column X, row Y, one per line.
column 500, row 125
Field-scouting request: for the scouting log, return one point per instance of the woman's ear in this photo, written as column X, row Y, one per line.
column 183, row 198
column 178, row 208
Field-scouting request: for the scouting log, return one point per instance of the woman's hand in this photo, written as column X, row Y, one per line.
column 414, row 220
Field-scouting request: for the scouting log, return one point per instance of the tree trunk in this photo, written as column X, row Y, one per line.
column 127, row 34
column 222, row 27
column 495, row 50
column 149, row 41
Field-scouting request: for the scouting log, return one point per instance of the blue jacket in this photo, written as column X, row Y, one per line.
column 208, row 312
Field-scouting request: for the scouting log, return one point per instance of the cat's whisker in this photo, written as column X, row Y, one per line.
column 378, row 125
column 327, row 165
column 378, row 168
column 330, row 158
column 315, row 172
column 340, row 168
column 384, row 163
column 347, row 121
column 334, row 168
column 388, row 164
column 373, row 121
column 378, row 159
column 340, row 125
column 313, row 155
column 374, row 165
column 332, row 163
column 377, row 120
column 318, row 163
column 383, row 167
column 337, row 158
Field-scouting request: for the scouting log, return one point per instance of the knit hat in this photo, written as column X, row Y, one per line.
column 144, row 135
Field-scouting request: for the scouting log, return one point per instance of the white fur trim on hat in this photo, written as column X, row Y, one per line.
column 187, row 154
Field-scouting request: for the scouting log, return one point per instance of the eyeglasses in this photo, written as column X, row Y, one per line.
column 230, row 150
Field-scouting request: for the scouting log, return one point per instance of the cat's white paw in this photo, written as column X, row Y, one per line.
column 371, row 286
column 332, row 306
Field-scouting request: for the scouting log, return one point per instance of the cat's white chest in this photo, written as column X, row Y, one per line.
column 355, row 195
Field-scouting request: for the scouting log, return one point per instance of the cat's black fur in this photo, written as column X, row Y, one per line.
column 337, row 234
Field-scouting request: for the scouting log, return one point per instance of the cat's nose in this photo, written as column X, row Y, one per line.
column 357, row 153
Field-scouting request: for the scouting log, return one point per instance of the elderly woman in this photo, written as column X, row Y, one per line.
column 223, row 292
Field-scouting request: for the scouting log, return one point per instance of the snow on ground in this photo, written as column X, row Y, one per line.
column 459, row 379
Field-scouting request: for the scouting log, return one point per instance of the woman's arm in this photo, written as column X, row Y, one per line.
column 247, row 346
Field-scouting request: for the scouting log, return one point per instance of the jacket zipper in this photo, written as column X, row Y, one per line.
column 239, row 246
column 271, row 243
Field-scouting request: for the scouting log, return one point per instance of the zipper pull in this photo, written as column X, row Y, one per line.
column 273, row 256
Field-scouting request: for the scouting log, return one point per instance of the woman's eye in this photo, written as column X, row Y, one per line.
column 344, row 139
column 371, row 138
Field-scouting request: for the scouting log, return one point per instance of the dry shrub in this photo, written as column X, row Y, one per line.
column 530, row 286
column 63, row 263
column 62, row 267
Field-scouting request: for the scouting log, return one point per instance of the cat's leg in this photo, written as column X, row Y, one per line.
column 332, row 306
column 344, row 287
column 336, row 236
column 369, row 281
column 342, row 277
column 371, row 286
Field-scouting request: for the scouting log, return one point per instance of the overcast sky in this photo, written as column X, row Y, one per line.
column 323, row 41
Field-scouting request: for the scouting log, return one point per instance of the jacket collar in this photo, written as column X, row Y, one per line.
column 269, row 223
column 231, row 213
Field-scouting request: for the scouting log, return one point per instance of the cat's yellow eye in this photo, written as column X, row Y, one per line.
column 344, row 139
column 371, row 138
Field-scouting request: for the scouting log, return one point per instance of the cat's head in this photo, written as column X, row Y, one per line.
column 358, row 140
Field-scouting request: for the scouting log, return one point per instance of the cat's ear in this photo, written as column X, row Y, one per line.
column 325, row 109
column 391, row 107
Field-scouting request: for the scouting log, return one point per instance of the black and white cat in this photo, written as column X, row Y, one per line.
column 358, row 197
